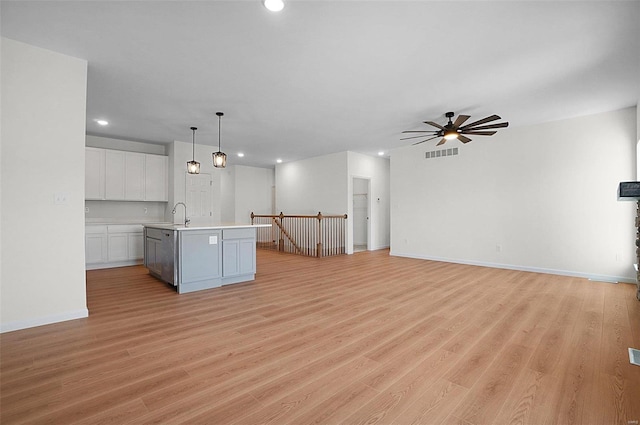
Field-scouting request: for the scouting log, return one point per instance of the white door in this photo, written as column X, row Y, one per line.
column 360, row 214
column 198, row 198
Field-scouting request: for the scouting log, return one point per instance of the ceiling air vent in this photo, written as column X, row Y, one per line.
column 441, row 153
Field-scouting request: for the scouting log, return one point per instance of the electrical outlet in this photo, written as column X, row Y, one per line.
column 86, row 209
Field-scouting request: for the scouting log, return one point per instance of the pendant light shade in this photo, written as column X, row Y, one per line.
column 219, row 158
column 193, row 167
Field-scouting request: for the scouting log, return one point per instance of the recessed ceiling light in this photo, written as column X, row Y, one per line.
column 240, row 154
column 279, row 161
column 273, row 5
column 102, row 122
column 381, row 153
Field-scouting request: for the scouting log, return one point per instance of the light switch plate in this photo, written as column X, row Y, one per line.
column 213, row 240
column 60, row 198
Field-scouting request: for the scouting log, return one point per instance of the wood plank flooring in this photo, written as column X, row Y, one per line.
column 360, row 339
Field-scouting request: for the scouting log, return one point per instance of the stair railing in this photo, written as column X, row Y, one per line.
column 311, row 235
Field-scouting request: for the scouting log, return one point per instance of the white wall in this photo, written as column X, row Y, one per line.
column 638, row 142
column 237, row 190
column 313, row 185
column 253, row 189
column 124, row 212
column 375, row 169
column 43, row 125
column 325, row 184
column 539, row 198
column 228, row 194
column 245, row 190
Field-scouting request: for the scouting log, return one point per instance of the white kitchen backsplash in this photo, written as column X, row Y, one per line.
column 122, row 211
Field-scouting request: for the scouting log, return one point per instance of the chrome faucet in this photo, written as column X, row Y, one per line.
column 186, row 220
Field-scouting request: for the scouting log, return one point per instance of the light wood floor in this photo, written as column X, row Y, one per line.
column 366, row 338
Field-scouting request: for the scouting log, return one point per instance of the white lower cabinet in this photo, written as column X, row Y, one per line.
column 239, row 252
column 113, row 245
column 95, row 243
column 135, row 245
column 118, row 247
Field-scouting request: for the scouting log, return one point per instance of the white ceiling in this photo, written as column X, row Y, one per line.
column 329, row 76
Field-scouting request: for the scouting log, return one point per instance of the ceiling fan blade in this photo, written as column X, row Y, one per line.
column 486, row 127
column 420, row 131
column 460, row 120
column 481, row 133
column 482, row 121
column 435, row 124
column 441, row 142
column 463, row 139
column 422, row 141
column 417, row 137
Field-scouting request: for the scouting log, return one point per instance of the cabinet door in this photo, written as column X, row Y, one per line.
column 134, row 176
column 118, row 246
column 95, row 248
column 135, row 249
column 247, row 256
column 231, row 257
column 114, row 175
column 156, row 178
column 238, row 257
column 94, row 173
column 200, row 255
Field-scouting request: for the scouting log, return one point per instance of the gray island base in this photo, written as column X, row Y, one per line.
column 197, row 258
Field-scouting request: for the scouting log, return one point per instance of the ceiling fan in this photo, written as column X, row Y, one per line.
column 455, row 129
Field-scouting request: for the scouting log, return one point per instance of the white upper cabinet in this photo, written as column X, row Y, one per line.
column 125, row 176
column 114, row 175
column 156, row 178
column 134, row 176
column 94, row 173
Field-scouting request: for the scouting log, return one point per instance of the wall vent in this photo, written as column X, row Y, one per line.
column 441, row 153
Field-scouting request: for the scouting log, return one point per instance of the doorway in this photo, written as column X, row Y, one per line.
column 360, row 214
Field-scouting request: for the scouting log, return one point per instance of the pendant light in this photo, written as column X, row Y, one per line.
column 193, row 167
column 219, row 158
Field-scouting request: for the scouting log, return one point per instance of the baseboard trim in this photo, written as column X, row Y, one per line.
column 45, row 320
column 594, row 277
column 99, row 266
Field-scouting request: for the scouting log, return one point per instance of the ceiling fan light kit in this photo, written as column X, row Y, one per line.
column 456, row 130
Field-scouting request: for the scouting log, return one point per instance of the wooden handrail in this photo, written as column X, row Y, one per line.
column 284, row 232
column 297, row 233
column 319, row 216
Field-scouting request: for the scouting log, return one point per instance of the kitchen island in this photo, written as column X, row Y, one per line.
column 200, row 257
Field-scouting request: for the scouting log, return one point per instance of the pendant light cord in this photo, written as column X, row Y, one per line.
column 193, row 140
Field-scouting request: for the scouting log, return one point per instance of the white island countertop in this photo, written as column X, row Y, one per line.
column 181, row 227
